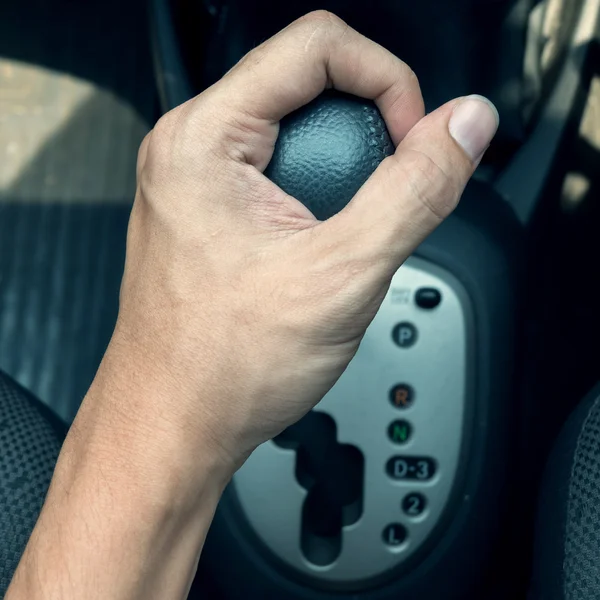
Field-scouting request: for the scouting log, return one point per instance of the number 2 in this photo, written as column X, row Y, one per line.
column 414, row 505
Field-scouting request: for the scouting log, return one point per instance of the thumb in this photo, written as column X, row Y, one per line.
column 414, row 190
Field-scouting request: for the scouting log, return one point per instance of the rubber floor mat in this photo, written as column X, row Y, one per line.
column 76, row 98
column 61, row 268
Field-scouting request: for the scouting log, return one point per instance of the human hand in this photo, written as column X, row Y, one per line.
column 239, row 310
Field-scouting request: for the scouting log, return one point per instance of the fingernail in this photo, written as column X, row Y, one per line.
column 473, row 124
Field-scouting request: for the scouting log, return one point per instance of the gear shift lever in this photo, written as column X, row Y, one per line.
column 326, row 150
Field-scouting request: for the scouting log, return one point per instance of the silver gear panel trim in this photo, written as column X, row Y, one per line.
column 437, row 368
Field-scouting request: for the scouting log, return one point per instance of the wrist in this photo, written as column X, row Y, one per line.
column 122, row 433
column 127, row 511
column 178, row 396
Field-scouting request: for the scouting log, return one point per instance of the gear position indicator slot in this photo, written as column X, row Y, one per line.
column 332, row 474
column 358, row 486
column 411, row 468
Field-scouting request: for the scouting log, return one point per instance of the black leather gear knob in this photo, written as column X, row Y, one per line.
column 327, row 149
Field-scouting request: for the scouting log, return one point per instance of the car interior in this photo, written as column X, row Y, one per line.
column 458, row 456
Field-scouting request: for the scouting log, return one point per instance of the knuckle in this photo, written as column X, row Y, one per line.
column 168, row 136
column 322, row 20
column 154, row 154
column 164, row 128
column 251, row 59
column 429, row 183
column 411, row 76
column 144, row 144
column 159, row 140
column 143, row 152
column 320, row 17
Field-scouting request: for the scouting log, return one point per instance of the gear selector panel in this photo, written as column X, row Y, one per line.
column 365, row 481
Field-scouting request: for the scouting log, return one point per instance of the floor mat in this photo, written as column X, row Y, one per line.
column 76, row 98
column 61, row 269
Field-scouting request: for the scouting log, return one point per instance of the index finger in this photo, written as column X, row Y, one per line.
column 312, row 54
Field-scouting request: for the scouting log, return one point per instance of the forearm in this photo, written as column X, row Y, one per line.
column 126, row 514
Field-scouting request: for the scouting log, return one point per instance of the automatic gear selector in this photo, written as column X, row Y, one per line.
column 392, row 483
column 327, row 150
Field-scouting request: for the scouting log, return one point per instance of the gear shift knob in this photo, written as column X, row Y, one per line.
column 327, row 149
